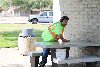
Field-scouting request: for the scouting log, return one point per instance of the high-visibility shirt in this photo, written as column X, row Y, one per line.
column 54, row 29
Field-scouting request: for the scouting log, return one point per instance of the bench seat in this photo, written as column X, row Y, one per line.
column 35, row 53
column 34, row 57
column 77, row 60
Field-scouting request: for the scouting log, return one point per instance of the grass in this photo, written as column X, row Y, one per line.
column 9, row 33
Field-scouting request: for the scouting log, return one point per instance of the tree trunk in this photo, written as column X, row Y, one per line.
column 40, row 6
column 10, row 7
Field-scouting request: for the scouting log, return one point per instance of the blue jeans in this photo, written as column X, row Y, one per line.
column 44, row 55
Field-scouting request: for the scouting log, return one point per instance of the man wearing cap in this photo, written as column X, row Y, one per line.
column 52, row 34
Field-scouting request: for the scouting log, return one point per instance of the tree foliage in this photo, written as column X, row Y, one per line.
column 28, row 4
column 4, row 4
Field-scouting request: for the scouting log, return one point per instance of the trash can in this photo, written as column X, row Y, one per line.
column 25, row 39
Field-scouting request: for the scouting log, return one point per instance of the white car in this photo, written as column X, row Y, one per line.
column 45, row 16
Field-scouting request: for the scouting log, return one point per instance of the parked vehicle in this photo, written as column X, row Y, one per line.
column 45, row 16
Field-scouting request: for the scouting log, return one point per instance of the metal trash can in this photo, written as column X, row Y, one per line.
column 25, row 39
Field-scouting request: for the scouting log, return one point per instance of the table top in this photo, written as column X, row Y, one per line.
column 72, row 43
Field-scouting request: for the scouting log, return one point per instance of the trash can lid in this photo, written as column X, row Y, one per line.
column 27, row 31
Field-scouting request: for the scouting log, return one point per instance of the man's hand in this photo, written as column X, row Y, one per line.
column 60, row 36
column 66, row 40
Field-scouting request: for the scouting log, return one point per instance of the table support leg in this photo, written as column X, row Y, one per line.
column 67, row 51
column 91, row 64
column 53, row 55
column 34, row 61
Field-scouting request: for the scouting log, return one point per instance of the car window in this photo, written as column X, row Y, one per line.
column 44, row 14
column 50, row 13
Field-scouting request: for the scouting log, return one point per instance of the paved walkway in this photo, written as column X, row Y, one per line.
column 10, row 57
column 22, row 22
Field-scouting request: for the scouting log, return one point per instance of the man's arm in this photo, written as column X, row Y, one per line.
column 60, row 37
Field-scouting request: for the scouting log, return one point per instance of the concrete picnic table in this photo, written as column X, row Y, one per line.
column 64, row 45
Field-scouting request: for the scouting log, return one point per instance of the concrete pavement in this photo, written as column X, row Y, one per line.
column 10, row 57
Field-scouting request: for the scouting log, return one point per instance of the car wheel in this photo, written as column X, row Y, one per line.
column 34, row 21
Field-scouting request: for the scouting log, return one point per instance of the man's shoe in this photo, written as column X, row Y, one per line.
column 42, row 65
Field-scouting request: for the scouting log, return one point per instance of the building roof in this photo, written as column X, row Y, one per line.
column 1, row 9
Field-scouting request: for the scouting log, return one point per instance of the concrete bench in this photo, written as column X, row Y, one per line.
column 76, row 60
column 34, row 57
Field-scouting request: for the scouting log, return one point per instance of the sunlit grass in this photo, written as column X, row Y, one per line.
column 9, row 33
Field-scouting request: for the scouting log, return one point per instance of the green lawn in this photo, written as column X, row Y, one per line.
column 9, row 33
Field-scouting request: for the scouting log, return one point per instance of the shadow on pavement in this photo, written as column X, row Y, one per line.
column 16, row 65
column 20, row 65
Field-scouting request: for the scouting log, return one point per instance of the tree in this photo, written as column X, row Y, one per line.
column 17, row 2
column 45, row 3
column 28, row 4
column 5, row 4
column 39, row 4
column 50, row 5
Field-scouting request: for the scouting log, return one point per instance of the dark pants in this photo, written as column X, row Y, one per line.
column 46, row 52
column 44, row 56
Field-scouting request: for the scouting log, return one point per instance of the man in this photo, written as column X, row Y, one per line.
column 52, row 34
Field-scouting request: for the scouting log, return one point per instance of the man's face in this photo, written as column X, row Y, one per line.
column 64, row 23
